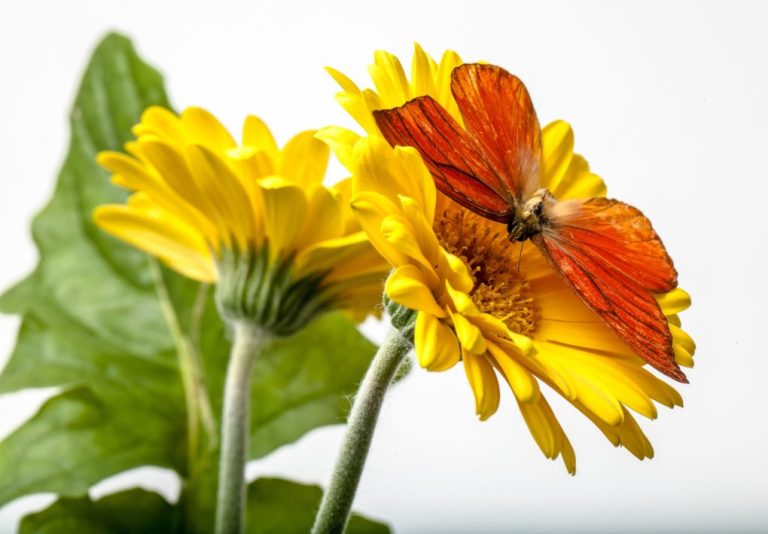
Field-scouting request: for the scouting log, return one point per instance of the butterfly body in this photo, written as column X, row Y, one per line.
column 529, row 218
column 605, row 250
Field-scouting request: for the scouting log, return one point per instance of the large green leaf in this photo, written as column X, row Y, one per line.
column 76, row 439
column 277, row 506
column 93, row 324
column 274, row 506
column 134, row 511
column 91, row 318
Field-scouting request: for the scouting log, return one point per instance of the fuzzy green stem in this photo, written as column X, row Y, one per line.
column 230, row 508
column 337, row 501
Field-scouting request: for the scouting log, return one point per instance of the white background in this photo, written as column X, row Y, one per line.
column 669, row 102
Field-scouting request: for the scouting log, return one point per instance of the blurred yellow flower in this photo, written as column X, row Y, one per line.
column 211, row 208
column 483, row 301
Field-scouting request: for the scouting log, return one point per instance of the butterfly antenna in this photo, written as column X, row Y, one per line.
column 520, row 255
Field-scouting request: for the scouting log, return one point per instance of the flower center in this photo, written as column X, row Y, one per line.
column 499, row 288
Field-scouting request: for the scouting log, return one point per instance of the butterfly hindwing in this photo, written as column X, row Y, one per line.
column 452, row 156
column 498, row 112
column 610, row 255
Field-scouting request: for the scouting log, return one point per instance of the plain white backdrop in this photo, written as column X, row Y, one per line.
column 669, row 102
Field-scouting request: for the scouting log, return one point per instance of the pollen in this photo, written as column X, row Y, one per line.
column 499, row 289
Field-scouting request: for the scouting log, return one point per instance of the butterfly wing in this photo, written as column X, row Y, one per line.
column 452, row 156
column 498, row 112
column 610, row 255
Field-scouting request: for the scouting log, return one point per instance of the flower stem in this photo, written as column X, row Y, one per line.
column 337, row 501
column 230, row 510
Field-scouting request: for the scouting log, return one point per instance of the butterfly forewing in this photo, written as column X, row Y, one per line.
column 610, row 255
column 498, row 112
column 452, row 156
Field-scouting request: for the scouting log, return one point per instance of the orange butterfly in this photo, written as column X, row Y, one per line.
column 605, row 250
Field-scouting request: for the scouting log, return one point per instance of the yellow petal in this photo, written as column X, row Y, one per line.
column 556, row 153
column 628, row 434
column 393, row 173
column 581, row 370
column 567, row 454
column 462, row 302
column 682, row 338
column 422, row 73
column 484, row 384
column 128, row 172
column 448, row 62
column 408, row 286
column 674, row 301
column 389, row 78
column 345, row 83
column 401, row 235
column 256, row 135
column 422, row 228
column 539, row 425
column 284, row 207
column 584, row 185
column 205, row 129
column 522, row 383
column 455, row 271
column 683, row 346
column 470, row 337
column 304, row 159
column 225, row 193
column 342, row 191
column 415, row 180
column 178, row 245
column 436, row 346
column 332, row 253
column 162, row 123
column 342, row 142
column 358, row 108
column 133, row 175
column 633, row 438
column 547, row 432
column 651, row 386
column 371, row 170
column 373, row 102
column 493, row 327
column 174, row 169
column 363, row 261
column 323, row 219
column 370, row 209
column 362, row 300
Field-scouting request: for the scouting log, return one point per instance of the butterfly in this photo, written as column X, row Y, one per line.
column 605, row 250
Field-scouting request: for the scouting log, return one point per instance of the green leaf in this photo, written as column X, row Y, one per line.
column 132, row 511
column 76, row 439
column 274, row 506
column 93, row 324
column 90, row 277
column 278, row 506
column 90, row 314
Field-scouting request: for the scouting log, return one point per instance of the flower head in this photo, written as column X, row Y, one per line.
column 499, row 309
column 251, row 217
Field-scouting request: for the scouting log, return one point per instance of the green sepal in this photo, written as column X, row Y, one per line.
column 258, row 289
column 402, row 318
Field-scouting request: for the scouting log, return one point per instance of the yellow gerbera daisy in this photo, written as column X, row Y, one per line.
column 482, row 300
column 215, row 210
